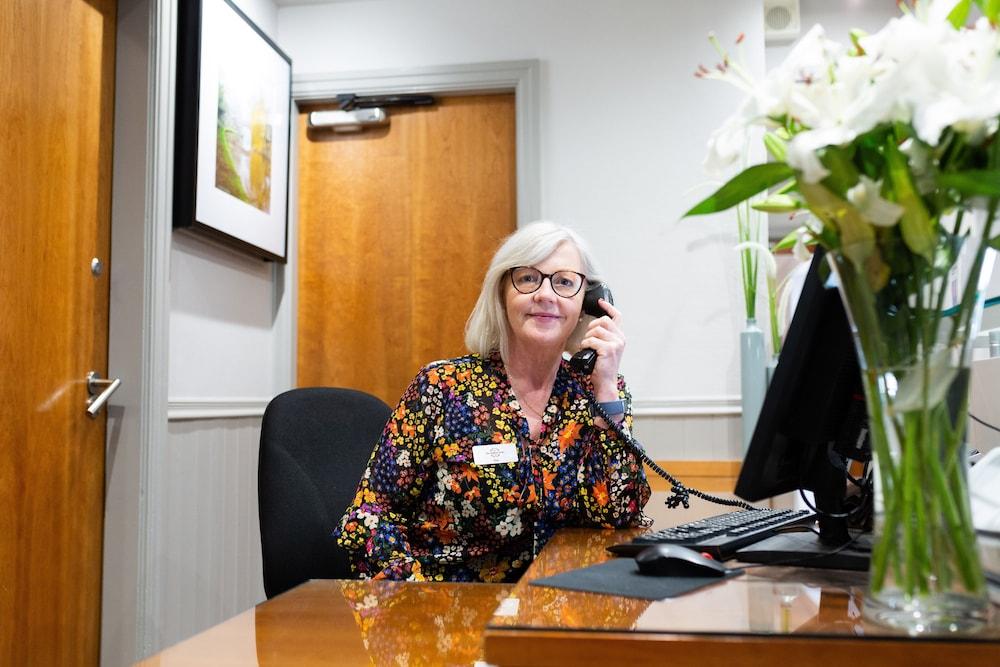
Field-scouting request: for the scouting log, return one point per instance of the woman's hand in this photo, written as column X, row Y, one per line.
column 606, row 337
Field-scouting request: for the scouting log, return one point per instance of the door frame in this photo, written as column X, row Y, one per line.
column 138, row 336
column 520, row 77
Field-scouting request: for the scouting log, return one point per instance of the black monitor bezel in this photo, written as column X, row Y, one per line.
column 819, row 337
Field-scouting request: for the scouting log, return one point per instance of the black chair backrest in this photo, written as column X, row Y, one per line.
column 314, row 445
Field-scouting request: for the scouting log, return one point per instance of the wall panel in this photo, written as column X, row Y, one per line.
column 210, row 546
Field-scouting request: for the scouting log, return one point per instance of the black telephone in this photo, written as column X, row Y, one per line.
column 584, row 360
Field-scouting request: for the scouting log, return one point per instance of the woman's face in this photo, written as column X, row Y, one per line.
column 543, row 320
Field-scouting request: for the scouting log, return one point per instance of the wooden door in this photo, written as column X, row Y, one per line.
column 396, row 228
column 57, row 61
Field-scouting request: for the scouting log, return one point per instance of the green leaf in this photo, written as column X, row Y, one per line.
column 960, row 13
column 778, row 203
column 990, row 9
column 868, row 152
column 854, row 237
column 776, row 146
column 843, row 174
column 856, row 34
column 790, row 186
column 744, row 185
column 975, row 182
column 995, row 243
column 787, row 242
column 917, row 226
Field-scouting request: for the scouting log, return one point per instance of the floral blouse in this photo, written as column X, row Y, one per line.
column 425, row 510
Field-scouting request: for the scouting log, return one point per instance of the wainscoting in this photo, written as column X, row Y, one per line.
column 699, row 443
column 209, row 542
column 210, row 562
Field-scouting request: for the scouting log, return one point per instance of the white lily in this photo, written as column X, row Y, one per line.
column 917, row 69
column 803, row 146
column 941, row 76
column 727, row 144
column 771, row 266
column 867, row 198
column 799, row 251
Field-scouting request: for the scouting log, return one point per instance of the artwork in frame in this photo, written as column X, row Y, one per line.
column 232, row 130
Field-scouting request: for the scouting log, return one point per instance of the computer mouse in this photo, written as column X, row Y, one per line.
column 671, row 560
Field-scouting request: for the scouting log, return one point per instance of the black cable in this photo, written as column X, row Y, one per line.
column 865, row 484
column 679, row 494
column 986, row 424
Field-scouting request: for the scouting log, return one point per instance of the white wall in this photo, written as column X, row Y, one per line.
column 222, row 323
column 224, row 329
column 229, row 341
column 262, row 12
column 623, row 130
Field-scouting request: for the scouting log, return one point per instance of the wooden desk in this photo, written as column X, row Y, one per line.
column 350, row 623
column 771, row 617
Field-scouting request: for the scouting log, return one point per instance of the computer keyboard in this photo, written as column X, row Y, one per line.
column 721, row 535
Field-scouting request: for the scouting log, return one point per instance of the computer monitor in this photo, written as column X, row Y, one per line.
column 812, row 424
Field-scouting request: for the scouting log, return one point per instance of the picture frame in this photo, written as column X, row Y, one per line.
column 233, row 130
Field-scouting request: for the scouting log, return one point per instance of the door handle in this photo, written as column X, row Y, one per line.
column 100, row 391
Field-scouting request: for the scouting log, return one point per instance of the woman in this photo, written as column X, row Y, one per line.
column 487, row 455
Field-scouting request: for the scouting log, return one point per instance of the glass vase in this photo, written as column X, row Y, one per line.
column 914, row 333
column 753, row 377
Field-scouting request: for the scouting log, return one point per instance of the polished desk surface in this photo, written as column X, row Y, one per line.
column 770, row 616
column 349, row 623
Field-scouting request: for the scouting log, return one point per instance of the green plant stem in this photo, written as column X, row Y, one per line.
column 927, row 535
column 961, row 539
column 868, row 331
column 747, row 231
column 965, row 311
column 772, row 308
column 911, row 540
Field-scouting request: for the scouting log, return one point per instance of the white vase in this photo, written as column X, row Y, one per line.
column 753, row 377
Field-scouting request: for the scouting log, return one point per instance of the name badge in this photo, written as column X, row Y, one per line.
column 499, row 452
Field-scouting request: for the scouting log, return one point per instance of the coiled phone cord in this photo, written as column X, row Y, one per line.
column 679, row 494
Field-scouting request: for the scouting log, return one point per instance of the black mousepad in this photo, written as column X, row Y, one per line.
column 620, row 576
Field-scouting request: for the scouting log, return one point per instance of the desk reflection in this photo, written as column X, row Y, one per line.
column 422, row 623
column 350, row 623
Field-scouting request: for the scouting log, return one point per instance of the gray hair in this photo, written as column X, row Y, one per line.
column 487, row 328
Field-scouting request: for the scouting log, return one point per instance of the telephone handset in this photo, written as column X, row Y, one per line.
column 584, row 360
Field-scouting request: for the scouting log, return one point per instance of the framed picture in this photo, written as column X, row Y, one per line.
column 232, row 130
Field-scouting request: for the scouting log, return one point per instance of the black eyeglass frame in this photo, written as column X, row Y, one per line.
column 583, row 280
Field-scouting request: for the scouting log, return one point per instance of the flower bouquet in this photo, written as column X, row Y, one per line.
column 891, row 143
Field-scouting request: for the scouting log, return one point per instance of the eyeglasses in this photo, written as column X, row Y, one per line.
column 528, row 279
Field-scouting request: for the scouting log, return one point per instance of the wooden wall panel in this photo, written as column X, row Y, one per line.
column 396, row 228
column 709, row 476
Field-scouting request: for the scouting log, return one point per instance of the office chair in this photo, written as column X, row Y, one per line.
column 314, row 445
